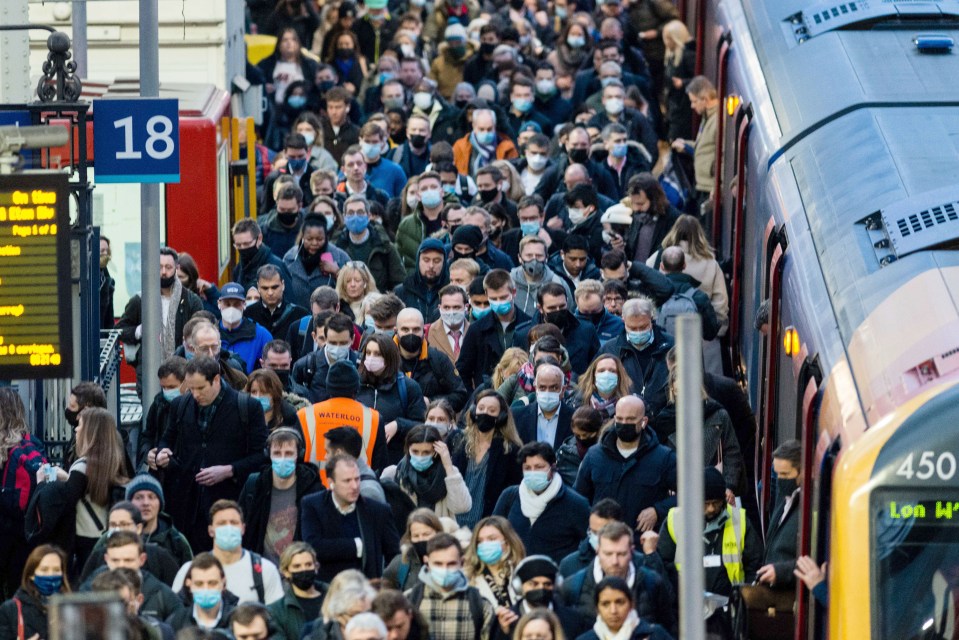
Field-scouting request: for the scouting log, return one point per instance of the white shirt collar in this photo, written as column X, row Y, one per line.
column 598, row 572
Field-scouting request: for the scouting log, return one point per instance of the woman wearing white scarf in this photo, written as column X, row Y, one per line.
column 617, row 619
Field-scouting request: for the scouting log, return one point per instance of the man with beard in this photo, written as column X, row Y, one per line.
column 421, row 288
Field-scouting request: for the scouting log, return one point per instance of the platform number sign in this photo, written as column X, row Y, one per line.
column 136, row 140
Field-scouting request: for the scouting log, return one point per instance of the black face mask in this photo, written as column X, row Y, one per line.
column 627, row 432
column 487, row 48
column 287, row 219
column 461, row 104
column 417, row 141
column 411, row 343
column 284, row 376
column 516, row 4
column 460, row 256
column 73, row 417
column 419, row 548
column 595, row 318
column 325, row 85
column 559, row 318
column 579, row 156
column 247, row 254
column 488, row 195
column 495, row 233
column 485, row 422
column 539, row 597
column 303, row 579
column 786, row 486
column 166, row 283
column 344, row 54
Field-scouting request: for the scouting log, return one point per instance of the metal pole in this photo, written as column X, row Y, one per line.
column 79, row 20
column 689, row 446
column 150, row 213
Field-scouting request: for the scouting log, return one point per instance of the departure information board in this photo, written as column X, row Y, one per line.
column 35, row 315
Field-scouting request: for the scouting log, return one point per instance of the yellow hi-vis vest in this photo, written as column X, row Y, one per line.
column 734, row 540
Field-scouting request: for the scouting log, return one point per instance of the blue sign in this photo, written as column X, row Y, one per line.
column 136, row 140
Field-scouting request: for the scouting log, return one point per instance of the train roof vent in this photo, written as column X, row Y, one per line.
column 830, row 16
column 926, row 221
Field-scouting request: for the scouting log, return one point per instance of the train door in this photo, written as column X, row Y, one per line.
column 772, row 364
column 807, row 413
column 722, row 80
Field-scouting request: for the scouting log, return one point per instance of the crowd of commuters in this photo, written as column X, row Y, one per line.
column 436, row 397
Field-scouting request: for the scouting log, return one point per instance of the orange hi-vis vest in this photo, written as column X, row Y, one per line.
column 315, row 421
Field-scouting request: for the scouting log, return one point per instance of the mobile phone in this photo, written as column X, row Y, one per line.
column 326, row 256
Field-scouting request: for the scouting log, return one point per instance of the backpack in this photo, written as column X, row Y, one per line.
column 678, row 304
column 257, row 563
column 47, row 505
column 17, row 482
column 303, row 330
column 472, row 595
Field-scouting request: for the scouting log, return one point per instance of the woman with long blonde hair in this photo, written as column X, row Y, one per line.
column 353, row 284
column 494, row 551
column 679, row 69
column 603, row 383
column 486, row 457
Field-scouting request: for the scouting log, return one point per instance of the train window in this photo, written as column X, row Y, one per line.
column 915, row 551
column 786, row 398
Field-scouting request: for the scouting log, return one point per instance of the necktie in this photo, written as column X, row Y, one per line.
column 455, row 334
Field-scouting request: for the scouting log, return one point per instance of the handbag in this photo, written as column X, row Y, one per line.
column 768, row 613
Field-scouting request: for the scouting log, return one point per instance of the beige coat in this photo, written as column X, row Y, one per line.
column 704, row 158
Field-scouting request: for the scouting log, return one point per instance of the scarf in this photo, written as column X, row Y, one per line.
column 625, row 632
column 533, row 504
column 345, row 66
column 428, row 486
column 606, row 407
column 168, row 331
column 526, row 376
column 483, row 153
column 498, row 584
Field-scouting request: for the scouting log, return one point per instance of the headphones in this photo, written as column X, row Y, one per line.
column 300, row 446
column 517, row 583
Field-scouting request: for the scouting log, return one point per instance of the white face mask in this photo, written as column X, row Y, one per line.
column 576, row 215
column 453, row 318
column 613, row 106
column 231, row 315
column 422, row 100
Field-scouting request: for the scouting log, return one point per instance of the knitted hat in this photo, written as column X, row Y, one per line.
column 455, row 31
column 432, row 244
column 468, row 234
column 536, row 567
column 343, row 380
column 376, row 4
column 618, row 214
column 145, row 482
column 715, row 488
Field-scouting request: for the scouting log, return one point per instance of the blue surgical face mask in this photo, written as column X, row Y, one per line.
column 421, row 463
column 227, row 537
column 490, row 552
column 529, row 228
column 522, row 104
column 171, row 394
column 606, row 381
column 370, row 151
column 449, row 189
column 297, row 102
column 444, row 577
column 431, row 198
column 547, row 400
column 369, row 324
column 576, row 42
column 640, row 338
column 389, row 333
column 479, row 312
column 283, row 467
column 593, row 539
column 537, row 481
column 337, row 352
column 296, row 165
column 501, row 307
column 207, row 598
column 357, row 224
column 265, row 401
column 48, row 585
column 386, row 76
column 485, row 138
column 619, row 150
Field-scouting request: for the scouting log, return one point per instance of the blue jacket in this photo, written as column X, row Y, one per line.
column 640, row 481
column 494, row 258
column 246, row 341
column 607, row 327
column 387, row 176
column 647, row 369
column 590, row 271
column 557, row 531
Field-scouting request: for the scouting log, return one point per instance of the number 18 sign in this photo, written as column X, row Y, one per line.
column 136, row 140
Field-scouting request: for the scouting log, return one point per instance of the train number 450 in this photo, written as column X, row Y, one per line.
column 931, row 464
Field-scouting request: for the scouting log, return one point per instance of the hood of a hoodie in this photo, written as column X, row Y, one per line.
column 427, row 579
column 682, row 281
column 519, row 279
column 415, row 282
column 647, row 442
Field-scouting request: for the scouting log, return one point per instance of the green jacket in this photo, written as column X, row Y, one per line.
column 409, row 234
column 288, row 616
column 385, row 264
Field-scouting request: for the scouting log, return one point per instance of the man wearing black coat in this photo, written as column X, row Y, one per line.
column 576, row 174
column 347, row 530
column 268, row 522
column 255, row 254
column 782, row 535
column 548, row 421
column 581, row 341
column 212, row 443
column 548, row 516
column 539, row 580
column 487, row 338
column 421, row 288
column 309, row 372
column 427, row 365
column 582, row 207
column 273, row 311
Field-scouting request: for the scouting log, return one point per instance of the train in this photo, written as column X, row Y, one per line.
column 837, row 208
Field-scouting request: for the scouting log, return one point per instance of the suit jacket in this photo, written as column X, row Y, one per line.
column 527, row 417
column 782, row 542
column 438, row 339
column 335, row 552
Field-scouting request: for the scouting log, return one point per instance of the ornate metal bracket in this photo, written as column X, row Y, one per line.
column 59, row 82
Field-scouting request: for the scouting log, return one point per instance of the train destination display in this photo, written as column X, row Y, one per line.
column 35, row 315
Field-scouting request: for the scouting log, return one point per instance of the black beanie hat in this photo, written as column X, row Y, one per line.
column 715, row 488
column 468, row 234
column 343, row 380
column 536, row 567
